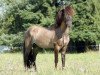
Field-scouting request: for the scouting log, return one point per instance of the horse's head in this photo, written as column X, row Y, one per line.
column 65, row 15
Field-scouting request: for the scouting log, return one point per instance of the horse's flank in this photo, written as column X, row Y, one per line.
column 42, row 36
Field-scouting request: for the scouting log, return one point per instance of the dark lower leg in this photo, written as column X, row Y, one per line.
column 34, row 60
column 63, row 60
column 63, row 56
column 56, row 58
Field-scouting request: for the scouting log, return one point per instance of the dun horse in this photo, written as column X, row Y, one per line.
column 56, row 37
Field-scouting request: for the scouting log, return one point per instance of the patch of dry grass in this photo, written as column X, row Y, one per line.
column 76, row 64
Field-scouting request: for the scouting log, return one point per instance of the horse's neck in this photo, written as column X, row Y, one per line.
column 64, row 29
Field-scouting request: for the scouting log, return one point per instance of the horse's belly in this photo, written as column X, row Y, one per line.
column 44, row 44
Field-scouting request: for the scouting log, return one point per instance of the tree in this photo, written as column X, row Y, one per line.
column 20, row 14
column 86, row 25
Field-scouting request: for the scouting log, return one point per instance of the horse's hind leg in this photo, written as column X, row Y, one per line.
column 34, row 60
column 63, row 53
column 35, row 52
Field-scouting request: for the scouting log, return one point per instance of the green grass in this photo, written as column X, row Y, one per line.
column 76, row 64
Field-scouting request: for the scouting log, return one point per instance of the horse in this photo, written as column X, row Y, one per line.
column 56, row 37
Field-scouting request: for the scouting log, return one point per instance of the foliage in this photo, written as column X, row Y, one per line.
column 86, row 23
column 11, row 40
column 18, row 15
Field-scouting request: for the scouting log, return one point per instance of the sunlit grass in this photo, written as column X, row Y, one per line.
column 76, row 64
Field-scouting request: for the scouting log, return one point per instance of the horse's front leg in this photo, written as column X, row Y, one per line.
column 63, row 53
column 56, row 51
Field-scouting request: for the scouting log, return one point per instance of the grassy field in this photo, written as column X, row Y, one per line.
column 76, row 64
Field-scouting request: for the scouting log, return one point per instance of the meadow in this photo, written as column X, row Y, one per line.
column 76, row 64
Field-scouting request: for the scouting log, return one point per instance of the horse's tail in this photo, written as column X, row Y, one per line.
column 28, row 54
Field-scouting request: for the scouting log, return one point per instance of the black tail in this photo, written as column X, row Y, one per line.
column 29, row 57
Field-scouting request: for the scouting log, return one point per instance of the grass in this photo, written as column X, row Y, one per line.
column 76, row 64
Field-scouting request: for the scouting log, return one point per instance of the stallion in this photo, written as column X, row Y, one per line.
column 56, row 37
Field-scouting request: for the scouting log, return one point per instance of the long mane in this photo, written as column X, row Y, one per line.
column 60, row 15
column 69, row 10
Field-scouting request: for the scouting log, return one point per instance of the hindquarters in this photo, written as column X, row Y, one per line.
column 29, row 55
